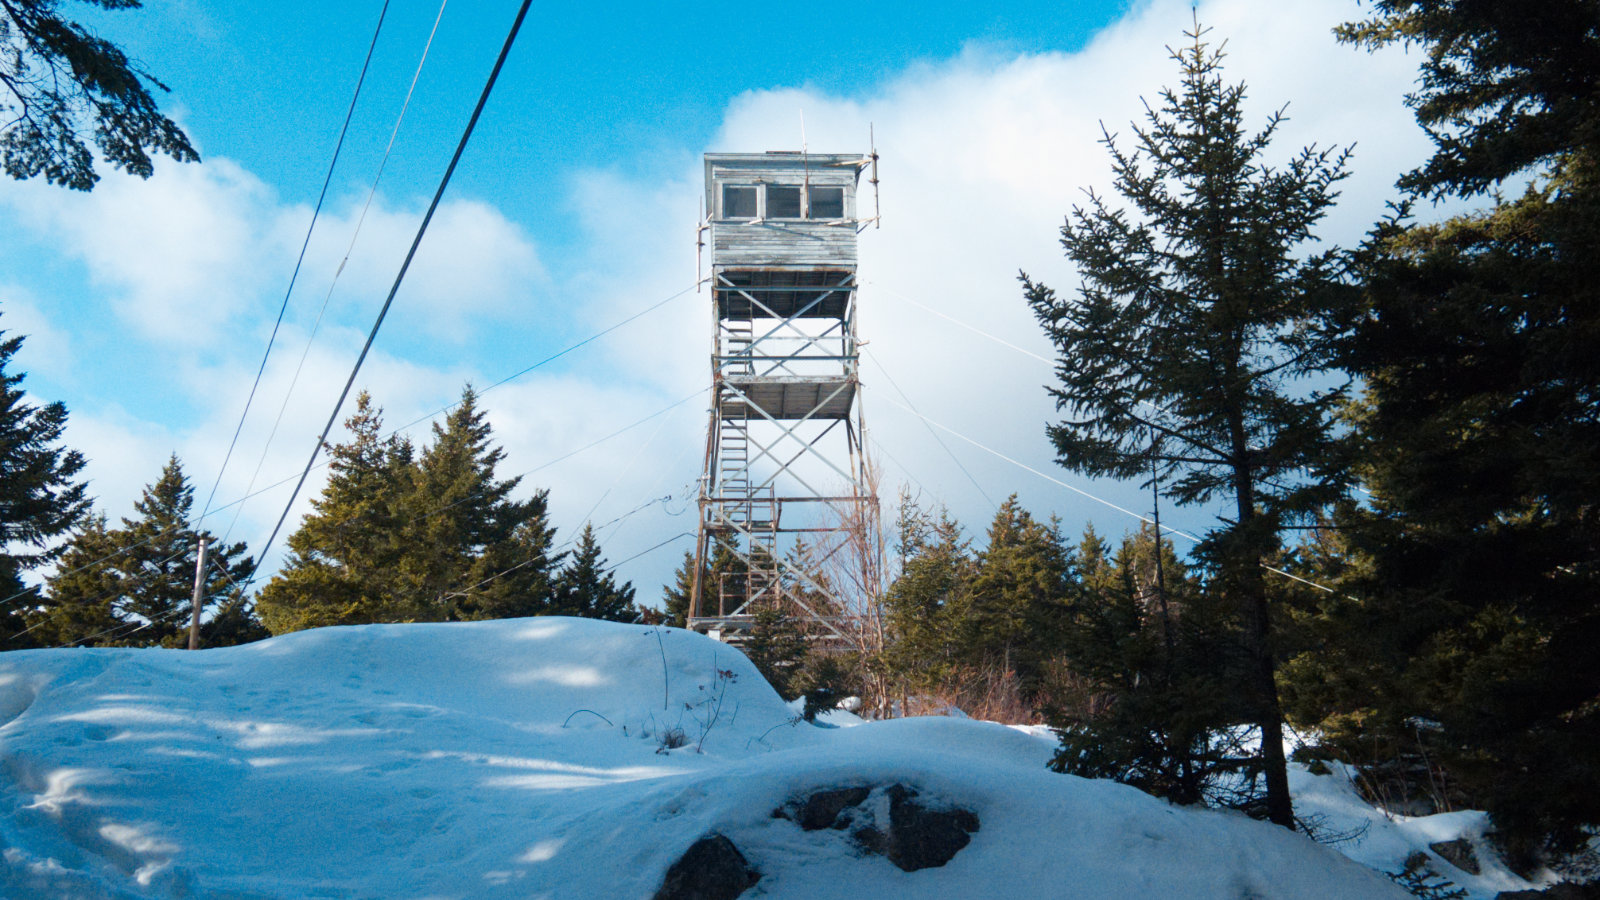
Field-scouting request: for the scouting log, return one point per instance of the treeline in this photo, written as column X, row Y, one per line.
column 397, row 535
column 125, row 585
column 401, row 535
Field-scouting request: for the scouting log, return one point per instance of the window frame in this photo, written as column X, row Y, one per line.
column 722, row 200
column 806, row 203
column 800, row 200
column 763, row 212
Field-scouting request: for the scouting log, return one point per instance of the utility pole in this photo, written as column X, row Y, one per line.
column 199, row 595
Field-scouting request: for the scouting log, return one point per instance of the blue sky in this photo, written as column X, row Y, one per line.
column 149, row 303
column 638, row 86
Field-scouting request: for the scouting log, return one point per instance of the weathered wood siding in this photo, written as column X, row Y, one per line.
column 786, row 243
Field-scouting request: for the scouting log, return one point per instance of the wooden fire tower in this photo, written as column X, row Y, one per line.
column 785, row 487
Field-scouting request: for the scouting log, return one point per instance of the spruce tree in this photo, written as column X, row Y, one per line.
column 676, row 596
column 926, row 601
column 345, row 558
column 83, row 599
column 403, row 537
column 1192, row 328
column 515, row 577
column 776, row 646
column 1017, row 600
column 1152, row 660
column 41, row 498
column 585, row 588
column 147, row 567
column 464, row 531
column 1478, row 559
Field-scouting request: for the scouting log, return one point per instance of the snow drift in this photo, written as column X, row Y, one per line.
column 543, row 758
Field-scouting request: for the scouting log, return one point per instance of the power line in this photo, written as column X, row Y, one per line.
column 909, row 474
column 107, row 595
column 326, row 180
column 623, row 472
column 509, row 378
column 334, row 281
column 34, row 589
column 1027, row 468
column 972, row 328
column 125, row 629
column 1029, row 353
column 671, row 540
column 195, row 523
column 549, row 359
column 599, row 441
column 592, row 444
column 422, row 229
column 947, row 450
column 1077, row 490
column 612, row 569
column 685, row 491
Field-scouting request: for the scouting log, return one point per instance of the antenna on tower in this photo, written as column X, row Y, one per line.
column 805, row 167
column 872, row 141
column 699, row 243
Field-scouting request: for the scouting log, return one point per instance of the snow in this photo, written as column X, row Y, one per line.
column 525, row 758
column 1385, row 841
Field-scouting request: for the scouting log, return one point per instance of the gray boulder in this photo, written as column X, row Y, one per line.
column 711, row 869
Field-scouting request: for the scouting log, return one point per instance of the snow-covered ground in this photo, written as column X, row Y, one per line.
column 528, row 758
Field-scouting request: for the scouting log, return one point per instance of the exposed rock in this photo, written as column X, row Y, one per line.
column 1457, row 853
column 921, row 838
column 870, row 839
column 914, row 836
column 822, row 809
column 1565, row 890
column 711, row 869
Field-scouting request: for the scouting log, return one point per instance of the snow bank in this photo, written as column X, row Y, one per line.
column 535, row 758
column 1386, row 841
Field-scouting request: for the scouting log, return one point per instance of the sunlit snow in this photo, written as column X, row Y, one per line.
column 526, row 758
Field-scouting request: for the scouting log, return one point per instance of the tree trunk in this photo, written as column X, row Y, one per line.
column 1269, row 712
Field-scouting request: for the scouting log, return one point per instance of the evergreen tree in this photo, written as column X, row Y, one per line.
column 345, row 558
column 515, row 577
column 776, row 646
column 585, row 588
column 401, row 537
column 1192, row 324
column 930, row 595
column 463, row 531
column 1478, row 560
column 145, row 571
column 1017, row 599
column 676, row 596
column 233, row 623
column 83, row 596
column 59, row 81
column 40, row 497
column 1152, row 662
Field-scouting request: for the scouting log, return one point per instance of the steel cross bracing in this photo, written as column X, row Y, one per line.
column 784, row 480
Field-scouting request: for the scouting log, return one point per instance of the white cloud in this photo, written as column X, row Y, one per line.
column 47, row 347
column 179, row 255
column 983, row 155
column 194, row 262
column 473, row 269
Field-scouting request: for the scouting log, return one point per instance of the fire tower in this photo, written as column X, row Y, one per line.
column 785, row 488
